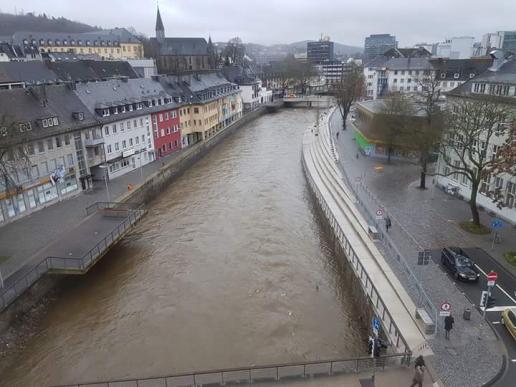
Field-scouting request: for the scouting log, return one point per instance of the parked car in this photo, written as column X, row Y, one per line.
column 509, row 320
column 459, row 264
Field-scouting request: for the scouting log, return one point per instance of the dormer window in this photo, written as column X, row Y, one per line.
column 72, row 42
column 49, row 42
column 65, row 42
column 25, row 41
column 456, row 76
column 88, row 43
column 42, row 42
column 25, row 127
column 472, row 75
column 105, row 112
column 443, row 75
column 122, row 109
column 58, row 42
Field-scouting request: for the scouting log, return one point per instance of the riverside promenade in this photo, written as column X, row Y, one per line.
column 473, row 356
column 385, row 294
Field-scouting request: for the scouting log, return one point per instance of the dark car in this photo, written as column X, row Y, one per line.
column 459, row 264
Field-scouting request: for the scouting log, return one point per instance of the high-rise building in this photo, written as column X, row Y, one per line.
column 506, row 40
column 321, row 51
column 377, row 44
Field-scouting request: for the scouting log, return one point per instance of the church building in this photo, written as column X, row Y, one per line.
column 181, row 55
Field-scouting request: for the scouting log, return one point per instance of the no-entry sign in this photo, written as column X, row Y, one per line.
column 379, row 213
column 492, row 276
column 445, row 309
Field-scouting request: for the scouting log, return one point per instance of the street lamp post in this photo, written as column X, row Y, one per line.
column 106, row 176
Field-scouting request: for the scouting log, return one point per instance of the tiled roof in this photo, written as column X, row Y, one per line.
column 408, row 64
column 29, row 72
column 181, row 46
column 465, row 68
column 35, row 103
column 89, row 70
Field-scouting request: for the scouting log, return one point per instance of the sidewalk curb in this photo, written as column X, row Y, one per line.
column 505, row 358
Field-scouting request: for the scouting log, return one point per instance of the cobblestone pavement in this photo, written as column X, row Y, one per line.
column 23, row 240
column 423, row 220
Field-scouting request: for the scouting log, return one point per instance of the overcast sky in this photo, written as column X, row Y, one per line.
column 286, row 21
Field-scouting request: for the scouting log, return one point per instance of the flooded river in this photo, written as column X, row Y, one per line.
column 229, row 268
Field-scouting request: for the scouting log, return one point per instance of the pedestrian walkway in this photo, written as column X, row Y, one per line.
column 23, row 240
column 472, row 357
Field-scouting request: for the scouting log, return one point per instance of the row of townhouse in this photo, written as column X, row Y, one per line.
column 384, row 75
column 57, row 140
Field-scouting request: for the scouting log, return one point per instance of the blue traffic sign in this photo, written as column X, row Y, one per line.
column 376, row 325
column 496, row 223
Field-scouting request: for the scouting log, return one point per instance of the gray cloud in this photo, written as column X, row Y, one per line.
column 276, row 21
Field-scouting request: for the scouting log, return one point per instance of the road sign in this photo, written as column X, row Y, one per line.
column 491, row 283
column 376, row 326
column 496, row 223
column 445, row 309
column 492, row 276
column 379, row 214
column 483, row 298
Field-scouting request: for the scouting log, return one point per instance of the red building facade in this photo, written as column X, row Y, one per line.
column 167, row 135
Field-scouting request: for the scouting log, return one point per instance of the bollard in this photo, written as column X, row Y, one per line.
column 467, row 314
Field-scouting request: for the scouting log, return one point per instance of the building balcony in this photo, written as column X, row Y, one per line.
column 91, row 142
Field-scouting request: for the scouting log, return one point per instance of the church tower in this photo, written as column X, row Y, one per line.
column 160, row 30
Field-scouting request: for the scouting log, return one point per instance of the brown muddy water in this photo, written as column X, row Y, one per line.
column 231, row 267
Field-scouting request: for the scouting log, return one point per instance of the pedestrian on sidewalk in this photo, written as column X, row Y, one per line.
column 419, row 374
column 338, row 135
column 448, row 325
column 388, row 223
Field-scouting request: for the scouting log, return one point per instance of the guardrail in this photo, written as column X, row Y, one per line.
column 389, row 324
column 423, row 300
column 11, row 291
column 264, row 373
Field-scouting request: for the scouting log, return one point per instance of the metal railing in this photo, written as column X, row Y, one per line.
column 11, row 291
column 390, row 327
column 422, row 299
column 263, row 373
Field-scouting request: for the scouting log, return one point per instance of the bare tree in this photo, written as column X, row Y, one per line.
column 299, row 73
column 425, row 137
column 393, row 121
column 474, row 125
column 348, row 91
column 14, row 155
column 234, row 52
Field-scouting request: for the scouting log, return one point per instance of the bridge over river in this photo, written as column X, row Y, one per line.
column 231, row 267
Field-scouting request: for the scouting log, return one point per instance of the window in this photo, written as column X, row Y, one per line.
column 464, row 180
column 70, row 159
column 50, row 143
column 143, row 138
column 67, row 139
column 395, row 72
column 455, row 176
column 105, row 112
column 116, row 146
column 166, row 116
column 59, row 143
column 114, row 129
column 44, row 167
column 510, row 194
column 162, row 132
column 34, row 171
column 443, row 75
column 130, row 142
column 30, row 149
column 482, row 88
column 395, row 80
column 106, row 130
column 135, row 123
column 124, row 144
column 472, row 75
column 41, row 147
column 109, row 149
column 128, row 125
column 122, row 126
column 476, row 87
column 456, row 76
column 137, row 139
column 141, row 121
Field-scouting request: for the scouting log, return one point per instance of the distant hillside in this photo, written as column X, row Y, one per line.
column 40, row 23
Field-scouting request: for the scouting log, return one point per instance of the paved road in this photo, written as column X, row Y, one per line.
column 504, row 297
column 425, row 220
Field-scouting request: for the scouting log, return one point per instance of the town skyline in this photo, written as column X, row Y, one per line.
column 346, row 23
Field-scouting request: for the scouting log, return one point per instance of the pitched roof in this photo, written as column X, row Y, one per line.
column 181, row 46
column 159, row 22
column 465, row 68
column 506, row 73
column 239, row 75
column 90, row 70
column 408, row 64
column 31, row 72
column 26, row 105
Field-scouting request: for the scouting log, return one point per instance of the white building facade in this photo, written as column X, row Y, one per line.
column 498, row 82
column 460, row 47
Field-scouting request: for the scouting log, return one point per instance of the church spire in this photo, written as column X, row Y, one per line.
column 160, row 30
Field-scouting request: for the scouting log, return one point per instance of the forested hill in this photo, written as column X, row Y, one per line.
column 40, row 23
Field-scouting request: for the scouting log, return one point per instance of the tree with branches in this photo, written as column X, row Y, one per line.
column 393, row 121
column 467, row 148
column 14, row 156
column 299, row 73
column 426, row 136
column 349, row 90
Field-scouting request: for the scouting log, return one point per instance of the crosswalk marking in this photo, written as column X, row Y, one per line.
column 495, row 322
column 497, row 308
